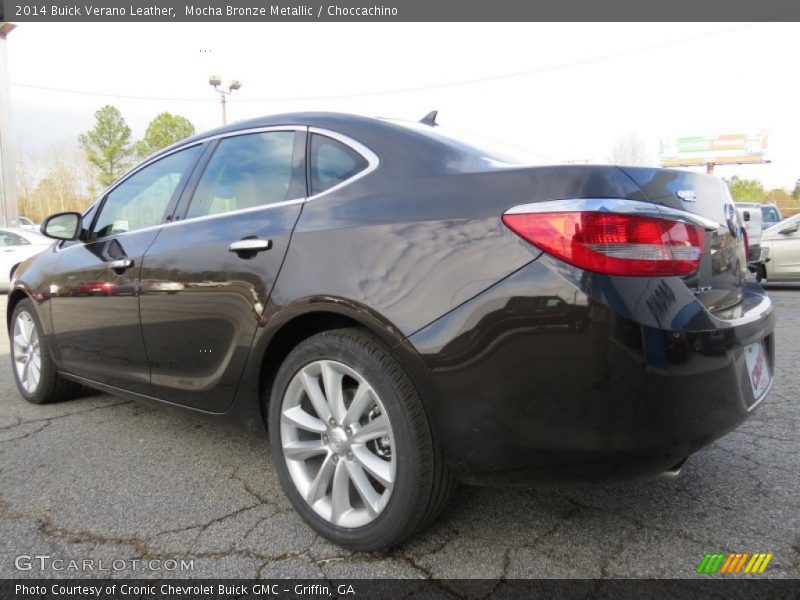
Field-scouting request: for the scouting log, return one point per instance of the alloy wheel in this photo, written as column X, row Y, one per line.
column 27, row 352
column 338, row 443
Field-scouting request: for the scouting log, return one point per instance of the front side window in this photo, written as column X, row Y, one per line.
column 245, row 171
column 142, row 199
column 332, row 163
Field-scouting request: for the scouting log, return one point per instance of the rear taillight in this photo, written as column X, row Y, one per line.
column 613, row 243
column 746, row 239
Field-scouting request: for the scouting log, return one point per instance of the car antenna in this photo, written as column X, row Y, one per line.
column 430, row 118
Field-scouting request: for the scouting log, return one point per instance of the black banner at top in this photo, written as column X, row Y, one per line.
column 398, row 10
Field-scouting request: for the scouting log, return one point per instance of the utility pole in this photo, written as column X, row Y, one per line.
column 8, row 186
column 216, row 82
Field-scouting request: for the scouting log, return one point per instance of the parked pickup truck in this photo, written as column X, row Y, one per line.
column 751, row 216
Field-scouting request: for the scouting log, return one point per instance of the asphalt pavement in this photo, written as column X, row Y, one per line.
column 148, row 492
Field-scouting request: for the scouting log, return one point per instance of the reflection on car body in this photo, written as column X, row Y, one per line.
column 401, row 307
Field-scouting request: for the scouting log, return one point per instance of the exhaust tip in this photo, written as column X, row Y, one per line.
column 672, row 473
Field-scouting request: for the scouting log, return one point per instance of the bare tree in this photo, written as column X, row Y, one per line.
column 57, row 181
column 27, row 169
column 630, row 149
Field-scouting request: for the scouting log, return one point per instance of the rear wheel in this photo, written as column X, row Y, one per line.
column 352, row 443
column 34, row 370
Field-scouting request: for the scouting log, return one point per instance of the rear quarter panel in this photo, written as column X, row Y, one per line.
column 413, row 249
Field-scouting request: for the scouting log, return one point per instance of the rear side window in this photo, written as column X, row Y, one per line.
column 245, row 171
column 332, row 163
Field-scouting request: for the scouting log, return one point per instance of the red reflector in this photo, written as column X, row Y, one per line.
column 746, row 239
column 613, row 243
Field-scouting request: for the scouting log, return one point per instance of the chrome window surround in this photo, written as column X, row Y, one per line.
column 615, row 205
column 371, row 158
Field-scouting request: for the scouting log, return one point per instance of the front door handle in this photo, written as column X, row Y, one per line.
column 120, row 265
column 250, row 246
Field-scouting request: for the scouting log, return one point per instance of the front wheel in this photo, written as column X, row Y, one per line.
column 352, row 444
column 34, row 370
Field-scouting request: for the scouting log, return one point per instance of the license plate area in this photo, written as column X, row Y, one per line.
column 758, row 369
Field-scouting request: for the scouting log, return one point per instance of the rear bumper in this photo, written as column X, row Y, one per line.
column 598, row 389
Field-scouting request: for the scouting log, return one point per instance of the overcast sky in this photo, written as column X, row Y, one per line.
column 575, row 89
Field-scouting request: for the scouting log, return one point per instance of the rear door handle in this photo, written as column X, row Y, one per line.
column 120, row 264
column 250, row 245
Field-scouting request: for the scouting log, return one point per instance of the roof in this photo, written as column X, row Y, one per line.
column 399, row 145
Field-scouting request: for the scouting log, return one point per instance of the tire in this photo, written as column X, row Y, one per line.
column 50, row 387
column 420, row 484
column 761, row 273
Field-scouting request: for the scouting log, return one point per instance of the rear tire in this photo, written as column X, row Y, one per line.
column 31, row 361
column 407, row 483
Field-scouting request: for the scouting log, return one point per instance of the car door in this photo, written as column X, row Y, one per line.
column 207, row 278
column 94, row 287
column 784, row 253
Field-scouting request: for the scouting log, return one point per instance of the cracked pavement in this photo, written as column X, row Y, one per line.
column 105, row 478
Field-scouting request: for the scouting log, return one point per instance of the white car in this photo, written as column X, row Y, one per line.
column 783, row 244
column 25, row 223
column 16, row 245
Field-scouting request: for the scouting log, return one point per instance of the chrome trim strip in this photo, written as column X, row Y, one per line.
column 616, row 205
column 372, row 159
column 148, row 161
column 195, row 219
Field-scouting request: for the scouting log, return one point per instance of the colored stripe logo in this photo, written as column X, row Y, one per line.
column 734, row 562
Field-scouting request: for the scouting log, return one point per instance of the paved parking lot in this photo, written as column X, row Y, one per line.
column 104, row 478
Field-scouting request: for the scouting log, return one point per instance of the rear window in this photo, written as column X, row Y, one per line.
column 477, row 146
column 769, row 214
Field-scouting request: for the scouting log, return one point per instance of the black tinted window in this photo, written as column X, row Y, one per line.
column 770, row 214
column 332, row 163
column 245, row 171
column 142, row 199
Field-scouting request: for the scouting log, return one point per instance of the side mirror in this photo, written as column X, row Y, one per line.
column 746, row 215
column 63, row 226
column 788, row 229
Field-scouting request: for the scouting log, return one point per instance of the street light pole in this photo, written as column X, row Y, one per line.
column 215, row 82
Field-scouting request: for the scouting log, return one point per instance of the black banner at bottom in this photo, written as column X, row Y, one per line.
column 394, row 589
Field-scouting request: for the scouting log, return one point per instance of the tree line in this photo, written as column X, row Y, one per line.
column 69, row 175
column 752, row 190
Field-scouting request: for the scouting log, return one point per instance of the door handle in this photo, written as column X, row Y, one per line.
column 120, row 264
column 250, row 245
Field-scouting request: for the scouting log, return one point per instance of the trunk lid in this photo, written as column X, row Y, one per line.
column 720, row 280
